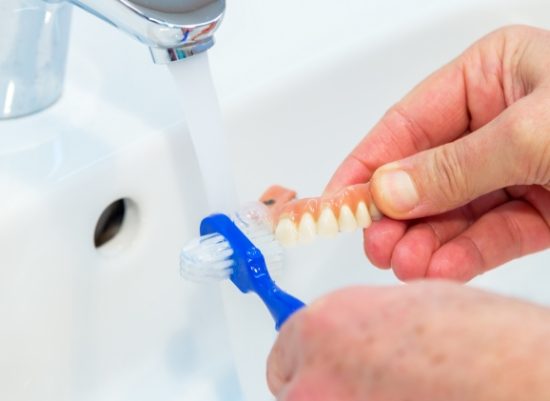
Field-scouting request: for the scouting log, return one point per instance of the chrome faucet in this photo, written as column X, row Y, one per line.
column 34, row 38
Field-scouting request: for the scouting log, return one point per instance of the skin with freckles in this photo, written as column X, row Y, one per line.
column 462, row 163
column 433, row 341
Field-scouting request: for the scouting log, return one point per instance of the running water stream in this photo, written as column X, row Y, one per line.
column 204, row 121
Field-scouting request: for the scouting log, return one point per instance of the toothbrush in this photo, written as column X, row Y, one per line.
column 224, row 251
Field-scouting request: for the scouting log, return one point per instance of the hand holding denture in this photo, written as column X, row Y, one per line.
column 462, row 163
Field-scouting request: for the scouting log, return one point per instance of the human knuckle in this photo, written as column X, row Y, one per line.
column 529, row 145
column 274, row 360
column 514, row 231
column 515, row 29
column 494, row 39
column 450, row 175
column 513, row 33
column 520, row 126
column 273, row 379
column 310, row 323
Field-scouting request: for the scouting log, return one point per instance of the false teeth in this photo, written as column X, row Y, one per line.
column 346, row 210
column 307, row 230
column 346, row 220
column 362, row 215
column 327, row 225
column 286, row 232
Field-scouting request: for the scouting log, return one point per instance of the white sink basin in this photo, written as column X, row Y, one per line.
column 298, row 88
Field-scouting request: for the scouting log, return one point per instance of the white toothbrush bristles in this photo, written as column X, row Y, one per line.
column 208, row 258
column 254, row 220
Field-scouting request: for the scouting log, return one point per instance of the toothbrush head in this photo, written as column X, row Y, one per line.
column 223, row 250
column 209, row 257
column 248, row 262
column 206, row 259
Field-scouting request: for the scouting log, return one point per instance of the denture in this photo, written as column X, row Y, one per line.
column 300, row 221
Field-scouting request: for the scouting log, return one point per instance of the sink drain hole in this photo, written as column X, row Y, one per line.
column 115, row 224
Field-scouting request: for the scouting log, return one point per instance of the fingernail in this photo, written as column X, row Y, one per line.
column 398, row 191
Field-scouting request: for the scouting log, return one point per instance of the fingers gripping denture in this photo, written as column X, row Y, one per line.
column 300, row 221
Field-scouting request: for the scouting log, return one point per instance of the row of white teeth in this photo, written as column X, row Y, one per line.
column 288, row 233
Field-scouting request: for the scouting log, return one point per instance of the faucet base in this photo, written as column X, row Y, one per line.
column 19, row 99
column 33, row 50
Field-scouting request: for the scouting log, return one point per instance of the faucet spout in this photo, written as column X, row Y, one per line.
column 173, row 29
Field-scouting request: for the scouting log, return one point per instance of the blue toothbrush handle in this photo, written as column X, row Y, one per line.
column 280, row 304
column 250, row 271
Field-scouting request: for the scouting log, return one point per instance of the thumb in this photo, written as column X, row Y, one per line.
column 498, row 155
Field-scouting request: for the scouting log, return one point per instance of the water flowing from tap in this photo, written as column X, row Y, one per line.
column 204, row 121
